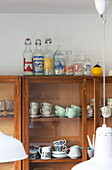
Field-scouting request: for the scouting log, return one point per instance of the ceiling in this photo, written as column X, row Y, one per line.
column 49, row 6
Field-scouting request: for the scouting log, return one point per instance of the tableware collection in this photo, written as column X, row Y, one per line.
column 59, row 150
column 45, row 109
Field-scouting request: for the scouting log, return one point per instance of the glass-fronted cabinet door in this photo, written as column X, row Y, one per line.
column 52, row 122
column 10, row 112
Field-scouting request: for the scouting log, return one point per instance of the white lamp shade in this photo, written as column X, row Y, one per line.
column 11, row 149
column 101, row 6
column 102, row 159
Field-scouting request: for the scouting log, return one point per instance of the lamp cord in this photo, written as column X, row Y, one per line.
column 104, row 89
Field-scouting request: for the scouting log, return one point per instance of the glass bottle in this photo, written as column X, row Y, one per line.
column 58, row 62
column 48, row 58
column 87, row 65
column 38, row 59
column 27, row 55
column 78, row 66
column 69, row 63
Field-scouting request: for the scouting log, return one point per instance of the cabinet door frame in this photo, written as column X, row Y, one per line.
column 16, row 80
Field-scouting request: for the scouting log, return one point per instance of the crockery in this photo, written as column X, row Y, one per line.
column 45, row 152
column 70, row 113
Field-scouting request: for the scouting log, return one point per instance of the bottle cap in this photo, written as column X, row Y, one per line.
column 28, row 41
column 48, row 41
column 38, row 42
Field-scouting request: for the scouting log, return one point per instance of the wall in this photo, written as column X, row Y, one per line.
column 83, row 34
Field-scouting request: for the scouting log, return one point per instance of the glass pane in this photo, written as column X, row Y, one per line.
column 7, row 114
column 45, row 129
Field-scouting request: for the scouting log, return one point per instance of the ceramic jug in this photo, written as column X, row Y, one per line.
column 74, row 152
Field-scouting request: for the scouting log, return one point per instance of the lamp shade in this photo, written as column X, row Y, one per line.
column 101, row 6
column 11, row 149
column 102, row 159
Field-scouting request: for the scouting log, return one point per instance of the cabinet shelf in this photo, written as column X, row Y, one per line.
column 56, row 160
column 54, row 119
column 6, row 118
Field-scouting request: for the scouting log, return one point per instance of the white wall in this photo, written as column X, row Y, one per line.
column 80, row 33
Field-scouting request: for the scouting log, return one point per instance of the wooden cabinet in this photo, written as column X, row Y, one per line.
column 10, row 112
column 62, row 91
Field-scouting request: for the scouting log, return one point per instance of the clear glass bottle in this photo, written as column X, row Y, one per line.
column 69, row 63
column 78, row 66
column 38, row 59
column 87, row 66
column 27, row 55
column 58, row 61
column 48, row 58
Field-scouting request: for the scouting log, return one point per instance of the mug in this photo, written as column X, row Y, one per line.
column 60, row 111
column 70, row 113
column 45, row 152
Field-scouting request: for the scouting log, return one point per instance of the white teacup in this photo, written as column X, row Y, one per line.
column 45, row 104
column 34, row 105
column 45, row 111
column 106, row 111
column 33, row 111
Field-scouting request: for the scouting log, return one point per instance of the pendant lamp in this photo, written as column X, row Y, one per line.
column 102, row 159
column 101, row 6
column 11, row 149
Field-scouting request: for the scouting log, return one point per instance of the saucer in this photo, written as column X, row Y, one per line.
column 59, row 156
column 34, row 116
column 49, row 115
column 58, row 152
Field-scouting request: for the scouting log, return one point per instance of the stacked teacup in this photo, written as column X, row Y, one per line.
column 46, row 109
column 60, row 147
column 33, row 109
column 60, row 111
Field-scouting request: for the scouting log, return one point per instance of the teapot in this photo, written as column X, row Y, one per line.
column 74, row 152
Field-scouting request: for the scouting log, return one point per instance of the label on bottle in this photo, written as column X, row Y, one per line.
column 48, row 63
column 69, row 70
column 38, row 64
column 28, row 65
column 78, row 68
column 87, row 67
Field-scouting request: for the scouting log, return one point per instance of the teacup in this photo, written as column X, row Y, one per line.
column 60, row 111
column 45, row 111
column 33, row 152
column 59, row 142
column 45, row 152
column 33, row 111
column 45, row 104
column 77, row 109
column 60, row 147
column 106, row 111
column 34, row 105
column 70, row 113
